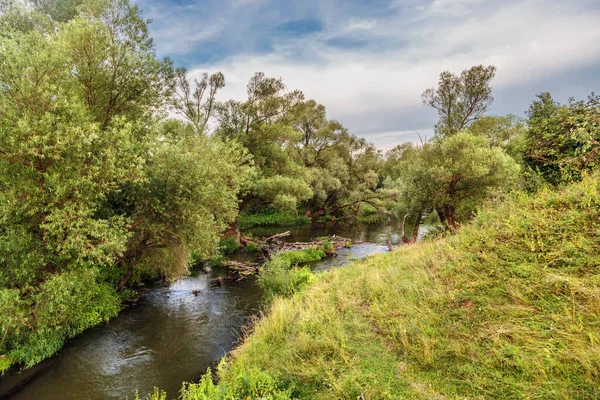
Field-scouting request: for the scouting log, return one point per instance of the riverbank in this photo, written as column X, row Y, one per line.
column 136, row 350
column 507, row 308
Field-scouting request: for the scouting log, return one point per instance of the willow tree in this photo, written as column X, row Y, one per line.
column 342, row 167
column 261, row 125
column 452, row 177
column 460, row 99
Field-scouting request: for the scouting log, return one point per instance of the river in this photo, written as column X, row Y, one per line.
column 171, row 335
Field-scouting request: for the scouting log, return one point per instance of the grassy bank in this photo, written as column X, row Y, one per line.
column 508, row 308
column 250, row 221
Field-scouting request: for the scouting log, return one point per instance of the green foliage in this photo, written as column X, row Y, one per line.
column 342, row 168
column 157, row 394
column 562, row 141
column 250, row 384
column 251, row 248
column 452, row 176
column 61, row 307
column 5, row 363
column 310, row 254
column 249, row 221
column 96, row 191
column 506, row 132
column 228, row 245
column 506, row 308
column 460, row 100
column 281, row 276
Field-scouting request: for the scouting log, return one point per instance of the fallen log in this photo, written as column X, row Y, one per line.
column 277, row 236
column 240, row 270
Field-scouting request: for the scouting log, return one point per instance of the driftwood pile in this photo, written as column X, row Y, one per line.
column 272, row 245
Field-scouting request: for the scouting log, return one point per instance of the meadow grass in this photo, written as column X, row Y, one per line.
column 508, row 308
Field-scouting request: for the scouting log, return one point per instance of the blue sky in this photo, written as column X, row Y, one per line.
column 368, row 61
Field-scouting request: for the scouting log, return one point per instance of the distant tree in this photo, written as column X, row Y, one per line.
column 189, row 98
column 261, row 125
column 460, row 99
column 563, row 141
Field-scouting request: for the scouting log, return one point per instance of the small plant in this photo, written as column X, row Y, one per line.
column 228, row 245
column 249, row 221
column 251, row 247
column 296, row 257
column 5, row 363
column 327, row 246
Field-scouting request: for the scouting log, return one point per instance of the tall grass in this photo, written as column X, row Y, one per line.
column 509, row 308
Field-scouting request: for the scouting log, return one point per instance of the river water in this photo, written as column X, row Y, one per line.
column 171, row 335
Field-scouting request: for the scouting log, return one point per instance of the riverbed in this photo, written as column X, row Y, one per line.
column 172, row 335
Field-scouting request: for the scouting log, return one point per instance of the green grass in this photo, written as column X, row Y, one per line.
column 509, row 308
column 250, row 221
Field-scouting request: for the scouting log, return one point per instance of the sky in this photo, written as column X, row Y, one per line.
column 368, row 61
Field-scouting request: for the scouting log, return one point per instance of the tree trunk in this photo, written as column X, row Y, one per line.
column 416, row 226
column 318, row 213
column 449, row 220
column 415, row 232
column 307, row 213
column 233, row 231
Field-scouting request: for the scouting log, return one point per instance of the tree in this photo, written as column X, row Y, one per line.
column 460, row 100
column 563, row 141
column 96, row 188
column 261, row 125
column 506, row 132
column 189, row 99
column 342, row 167
column 451, row 176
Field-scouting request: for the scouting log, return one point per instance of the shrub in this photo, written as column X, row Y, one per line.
column 248, row 384
column 277, row 278
column 251, row 247
column 60, row 308
column 295, row 257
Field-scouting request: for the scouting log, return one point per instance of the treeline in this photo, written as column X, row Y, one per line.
column 101, row 189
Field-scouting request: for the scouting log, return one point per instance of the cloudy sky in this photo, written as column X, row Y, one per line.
column 368, row 61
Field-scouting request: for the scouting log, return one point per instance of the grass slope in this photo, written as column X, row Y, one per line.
column 509, row 308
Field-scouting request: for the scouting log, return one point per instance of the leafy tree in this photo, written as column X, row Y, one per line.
column 260, row 124
column 189, row 98
column 460, row 99
column 563, row 141
column 506, row 132
column 342, row 167
column 451, row 176
column 94, row 188
column 56, row 166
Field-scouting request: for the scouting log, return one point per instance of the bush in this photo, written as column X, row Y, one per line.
column 249, row 384
column 251, row 247
column 277, row 278
column 5, row 363
column 296, row 257
column 60, row 308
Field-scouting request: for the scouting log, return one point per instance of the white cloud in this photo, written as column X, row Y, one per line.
column 377, row 92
